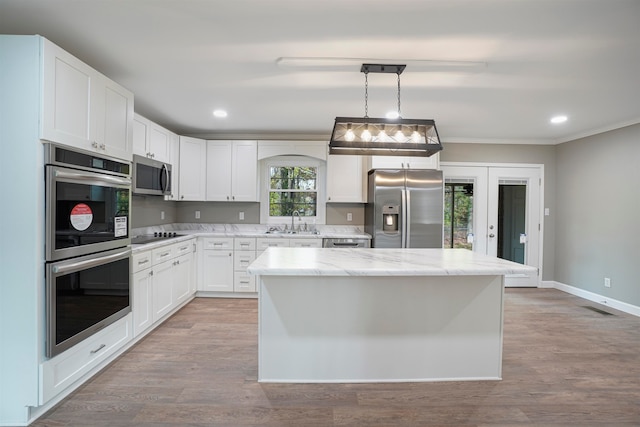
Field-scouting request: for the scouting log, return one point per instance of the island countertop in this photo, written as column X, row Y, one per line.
column 381, row 262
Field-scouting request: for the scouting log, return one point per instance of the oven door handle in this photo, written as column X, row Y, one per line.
column 73, row 266
column 89, row 176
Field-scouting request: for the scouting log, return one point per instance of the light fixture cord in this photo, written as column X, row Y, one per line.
column 366, row 93
column 399, row 114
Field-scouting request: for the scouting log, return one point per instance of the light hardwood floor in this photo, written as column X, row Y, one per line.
column 563, row 365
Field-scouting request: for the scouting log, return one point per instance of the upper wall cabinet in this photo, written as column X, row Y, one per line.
column 398, row 162
column 83, row 108
column 193, row 168
column 232, row 171
column 316, row 149
column 151, row 140
column 346, row 179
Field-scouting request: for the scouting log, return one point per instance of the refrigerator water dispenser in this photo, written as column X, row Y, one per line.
column 390, row 218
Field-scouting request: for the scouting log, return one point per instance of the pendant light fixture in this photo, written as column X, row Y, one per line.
column 383, row 136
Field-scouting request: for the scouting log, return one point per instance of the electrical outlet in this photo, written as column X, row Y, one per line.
column 349, row 216
column 197, row 214
column 161, row 214
column 241, row 216
column 607, row 282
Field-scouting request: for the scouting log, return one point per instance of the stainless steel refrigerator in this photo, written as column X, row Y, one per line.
column 404, row 208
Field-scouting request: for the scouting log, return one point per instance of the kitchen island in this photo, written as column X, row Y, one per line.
column 380, row 315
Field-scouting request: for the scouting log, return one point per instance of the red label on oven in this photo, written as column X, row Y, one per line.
column 81, row 216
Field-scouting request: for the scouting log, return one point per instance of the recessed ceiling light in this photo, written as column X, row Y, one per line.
column 392, row 115
column 558, row 119
column 219, row 113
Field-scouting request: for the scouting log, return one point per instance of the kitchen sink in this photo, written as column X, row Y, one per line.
column 289, row 232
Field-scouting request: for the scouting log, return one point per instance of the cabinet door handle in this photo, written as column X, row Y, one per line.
column 144, row 261
column 98, row 349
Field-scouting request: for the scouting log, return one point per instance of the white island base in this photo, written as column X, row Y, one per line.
column 328, row 323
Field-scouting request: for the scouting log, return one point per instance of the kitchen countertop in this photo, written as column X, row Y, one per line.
column 189, row 230
column 381, row 262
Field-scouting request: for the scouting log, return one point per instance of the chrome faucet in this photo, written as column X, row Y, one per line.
column 292, row 216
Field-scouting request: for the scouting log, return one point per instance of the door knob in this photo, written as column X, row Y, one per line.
column 492, row 235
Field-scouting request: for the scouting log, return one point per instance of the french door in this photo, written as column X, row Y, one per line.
column 495, row 210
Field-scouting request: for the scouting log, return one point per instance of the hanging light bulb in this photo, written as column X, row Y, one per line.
column 382, row 135
column 415, row 136
column 366, row 135
column 349, row 136
column 399, row 136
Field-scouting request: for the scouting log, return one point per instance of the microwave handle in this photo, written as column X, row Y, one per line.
column 72, row 267
column 165, row 173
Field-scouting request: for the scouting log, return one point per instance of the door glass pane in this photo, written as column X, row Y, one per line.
column 458, row 215
column 511, row 221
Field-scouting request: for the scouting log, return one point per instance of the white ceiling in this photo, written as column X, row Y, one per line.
column 484, row 70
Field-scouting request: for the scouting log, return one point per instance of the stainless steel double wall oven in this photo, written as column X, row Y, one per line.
column 88, row 252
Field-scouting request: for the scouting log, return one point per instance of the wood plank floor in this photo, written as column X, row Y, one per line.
column 564, row 365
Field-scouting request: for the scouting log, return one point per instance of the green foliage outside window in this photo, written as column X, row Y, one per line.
column 458, row 215
column 292, row 188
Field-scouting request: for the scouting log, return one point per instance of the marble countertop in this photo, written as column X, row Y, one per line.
column 189, row 230
column 381, row 262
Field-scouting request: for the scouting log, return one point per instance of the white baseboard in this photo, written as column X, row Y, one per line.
column 591, row 296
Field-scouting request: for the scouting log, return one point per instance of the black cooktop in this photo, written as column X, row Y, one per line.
column 149, row 238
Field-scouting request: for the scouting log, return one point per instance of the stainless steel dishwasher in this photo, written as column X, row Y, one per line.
column 346, row 243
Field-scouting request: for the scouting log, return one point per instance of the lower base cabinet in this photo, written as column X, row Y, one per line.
column 162, row 279
column 61, row 371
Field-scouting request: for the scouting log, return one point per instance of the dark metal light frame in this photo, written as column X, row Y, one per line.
column 382, row 136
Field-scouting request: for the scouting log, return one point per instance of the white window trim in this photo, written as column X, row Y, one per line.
column 267, row 163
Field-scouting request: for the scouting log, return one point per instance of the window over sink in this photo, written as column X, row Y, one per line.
column 292, row 185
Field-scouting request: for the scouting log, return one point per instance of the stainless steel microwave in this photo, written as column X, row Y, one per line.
column 151, row 177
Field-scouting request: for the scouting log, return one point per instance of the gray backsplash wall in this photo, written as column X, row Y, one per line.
column 337, row 213
column 219, row 212
column 147, row 211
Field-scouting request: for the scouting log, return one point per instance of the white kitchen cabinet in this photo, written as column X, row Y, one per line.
column 193, row 169
column 244, row 254
column 60, row 372
column 83, row 108
column 174, row 160
column 183, row 276
column 141, row 300
column 346, row 179
column 217, row 264
column 311, row 242
column 162, row 289
column 232, row 171
column 162, row 279
column 316, row 149
column 264, row 243
column 399, row 162
column 151, row 140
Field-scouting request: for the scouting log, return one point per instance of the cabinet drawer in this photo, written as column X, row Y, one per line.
column 244, row 244
column 140, row 261
column 217, row 243
column 162, row 254
column 241, row 260
column 244, row 283
column 63, row 370
column 262, row 244
column 306, row 243
column 183, row 248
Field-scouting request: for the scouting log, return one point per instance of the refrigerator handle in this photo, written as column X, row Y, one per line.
column 403, row 219
column 407, row 216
